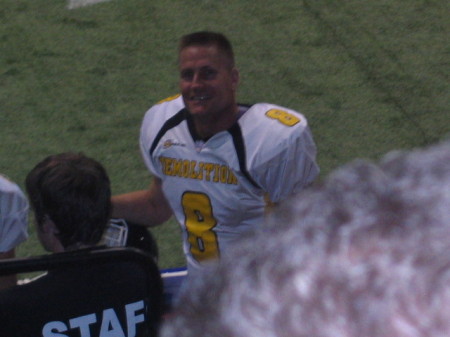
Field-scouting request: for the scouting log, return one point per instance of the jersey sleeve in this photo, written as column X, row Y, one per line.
column 146, row 139
column 13, row 216
column 153, row 121
column 284, row 161
column 291, row 170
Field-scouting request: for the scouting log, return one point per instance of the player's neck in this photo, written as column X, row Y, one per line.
column 205, row 128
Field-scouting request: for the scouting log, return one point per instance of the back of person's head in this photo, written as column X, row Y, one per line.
column 74, row 192
column 364, row 254
column 206, row 39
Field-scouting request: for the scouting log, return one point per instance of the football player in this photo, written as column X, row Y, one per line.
column 216, row 163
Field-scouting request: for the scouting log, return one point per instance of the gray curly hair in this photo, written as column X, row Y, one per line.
column 365, row 254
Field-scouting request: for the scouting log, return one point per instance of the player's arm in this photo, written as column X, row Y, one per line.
column 146, row 207
column 10, row 280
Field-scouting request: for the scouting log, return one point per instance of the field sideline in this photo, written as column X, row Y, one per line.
column 371, row 76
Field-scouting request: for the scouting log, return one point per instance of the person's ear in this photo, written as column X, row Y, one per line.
column 48, row 235
column 48, row 226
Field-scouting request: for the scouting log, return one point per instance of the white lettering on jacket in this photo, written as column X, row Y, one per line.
column 110, row 324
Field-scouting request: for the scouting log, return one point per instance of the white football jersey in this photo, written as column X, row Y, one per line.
column 13, row 215
column 217, row 188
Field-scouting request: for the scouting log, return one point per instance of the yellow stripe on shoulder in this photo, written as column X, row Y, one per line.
column 168, row 99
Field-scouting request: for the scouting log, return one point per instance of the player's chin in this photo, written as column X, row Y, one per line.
column 198, row 109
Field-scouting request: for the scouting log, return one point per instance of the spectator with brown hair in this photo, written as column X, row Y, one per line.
column 71, row 198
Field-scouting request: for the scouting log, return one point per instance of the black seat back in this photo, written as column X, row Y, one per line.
column 90, row 260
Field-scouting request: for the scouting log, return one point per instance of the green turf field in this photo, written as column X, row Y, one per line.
column 371, row 76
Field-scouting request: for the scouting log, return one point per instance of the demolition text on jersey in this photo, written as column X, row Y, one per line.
column 191, row 169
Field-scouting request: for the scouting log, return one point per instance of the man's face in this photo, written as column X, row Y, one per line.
column 207, row 82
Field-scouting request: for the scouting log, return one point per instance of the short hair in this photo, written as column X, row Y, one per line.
column 74, row 192
column 367, row 253
column 207, row 38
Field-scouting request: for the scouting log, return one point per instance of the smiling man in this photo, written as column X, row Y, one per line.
column 216, row 163
column 208, row 82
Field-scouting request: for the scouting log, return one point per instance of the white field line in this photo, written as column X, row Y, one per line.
column 81, row 3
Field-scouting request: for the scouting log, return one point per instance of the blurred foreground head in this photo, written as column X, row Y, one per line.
column 365, row 254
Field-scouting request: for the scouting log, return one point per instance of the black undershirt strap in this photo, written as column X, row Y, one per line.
column 239, row 145
column 169, row 124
